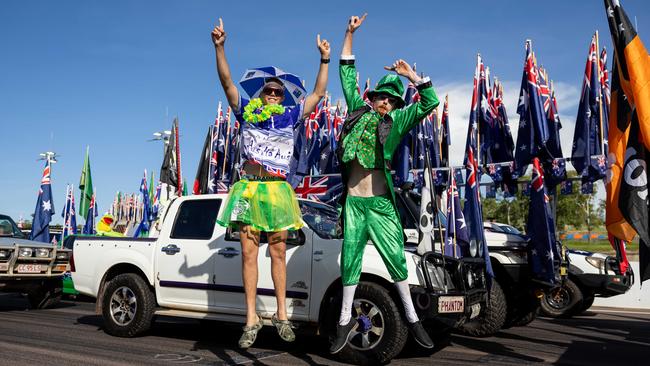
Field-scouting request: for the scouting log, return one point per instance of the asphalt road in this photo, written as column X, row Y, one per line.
column 71, row 334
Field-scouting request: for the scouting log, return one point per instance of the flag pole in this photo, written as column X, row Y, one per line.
column 600, row 99
column 227, row 142
column 453, row 212
column 178, row 160
column 434, row 204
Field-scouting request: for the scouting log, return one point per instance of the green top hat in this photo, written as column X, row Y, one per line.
column 391, row 85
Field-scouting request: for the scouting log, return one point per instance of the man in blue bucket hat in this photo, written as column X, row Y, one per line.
column 262, row 200
column 369, row 137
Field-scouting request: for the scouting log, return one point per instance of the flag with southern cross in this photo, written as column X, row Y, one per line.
column 44, row 208
column 143, row 226
column 69, row 214
column 533, row 127
column 488, row 127
column 542, row 247
column 588, row 133
column 457, row 241
column 606, row 95
column 89, row 226
column 213, row 168
column 323, row 188
column 85, row 186
column 327, row 162
column 472, row 209
column 566, row 187
column 551, row 164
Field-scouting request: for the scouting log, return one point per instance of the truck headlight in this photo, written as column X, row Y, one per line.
column 4, row 254
column 25, row 252
column 599, row 263
column 473, row 248
column 42, row 253
column 62, row 255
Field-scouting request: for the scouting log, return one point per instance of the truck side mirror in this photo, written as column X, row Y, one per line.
column 296, row 237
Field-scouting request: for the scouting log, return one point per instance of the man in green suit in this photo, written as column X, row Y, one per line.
column 369, row 138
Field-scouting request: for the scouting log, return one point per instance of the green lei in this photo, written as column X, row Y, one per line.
column 255, row 111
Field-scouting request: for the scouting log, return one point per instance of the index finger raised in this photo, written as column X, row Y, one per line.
column 220, row 23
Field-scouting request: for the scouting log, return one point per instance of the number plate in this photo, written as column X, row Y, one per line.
column 451, row 304
column 28, row 268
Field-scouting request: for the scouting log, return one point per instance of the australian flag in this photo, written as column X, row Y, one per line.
column 89, row 226
column 323, row 188
column 588, row 134
column 327, row 162
column 44, row 209
column 69, row 215
column 542, row 248
column 533, row 128
column 456, row 233
column 143, row 227
column 472, row 210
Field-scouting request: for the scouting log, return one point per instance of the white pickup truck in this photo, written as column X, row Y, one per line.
column 193, row 269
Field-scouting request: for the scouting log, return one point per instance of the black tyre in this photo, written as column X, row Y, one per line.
column 587, row 301
column 47, row 295
column 127, row 305
column 381, row 333
column 561, row 300
column 491, row 318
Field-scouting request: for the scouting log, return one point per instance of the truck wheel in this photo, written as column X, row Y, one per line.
column 587, row 301
column 491, row 318
column 559, row 301
column 47, row 295
column 381, row 333
column 127, row 306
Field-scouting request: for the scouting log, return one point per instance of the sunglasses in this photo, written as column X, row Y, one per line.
column 273, row 91
column 391, row 100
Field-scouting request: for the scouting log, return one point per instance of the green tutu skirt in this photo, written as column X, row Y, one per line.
column 265, row 205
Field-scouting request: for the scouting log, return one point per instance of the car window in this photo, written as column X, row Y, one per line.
column 321, row 218
column 196, row 219
column 9, row 228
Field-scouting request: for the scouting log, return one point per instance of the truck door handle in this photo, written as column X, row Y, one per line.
column 228, row 252
column 171, row 249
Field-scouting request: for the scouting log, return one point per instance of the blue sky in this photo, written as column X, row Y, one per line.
column 104, row 74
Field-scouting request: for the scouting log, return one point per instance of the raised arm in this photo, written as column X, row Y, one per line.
column 321, row 79
column 347, row 70
column 406, row 118
column 219, row 39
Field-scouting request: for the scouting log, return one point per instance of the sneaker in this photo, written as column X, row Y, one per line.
column 250, row 334
column 420, row 335
column 342, row 334
column 284, row 329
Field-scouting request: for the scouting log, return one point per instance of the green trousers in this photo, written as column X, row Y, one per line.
column 372, row 218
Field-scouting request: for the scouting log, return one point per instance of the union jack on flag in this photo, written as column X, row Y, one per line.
column 322, row 188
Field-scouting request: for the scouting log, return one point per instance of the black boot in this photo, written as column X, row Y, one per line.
column 342, row 334
column 420, row 335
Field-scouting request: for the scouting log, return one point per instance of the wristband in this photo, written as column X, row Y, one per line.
column 324, row 60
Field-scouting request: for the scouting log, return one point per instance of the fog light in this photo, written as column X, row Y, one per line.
column 470, row 279
column 62, row 255
column 25, row 252
column 42, row 253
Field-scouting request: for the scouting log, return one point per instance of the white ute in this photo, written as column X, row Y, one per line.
column 193, row 269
